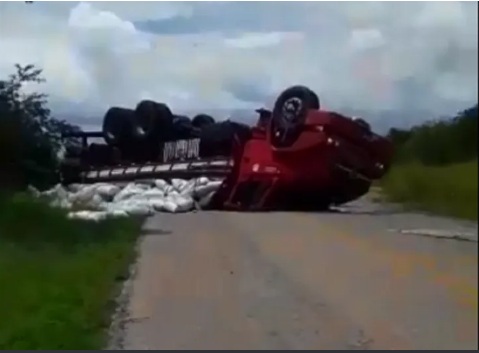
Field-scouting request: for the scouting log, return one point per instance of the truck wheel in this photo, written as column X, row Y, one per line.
column 182, row 128
column 202, row 120
column 152, row 120
column 117, row 125
column 289, row 114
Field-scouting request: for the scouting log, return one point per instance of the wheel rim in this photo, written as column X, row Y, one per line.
column 291, row 110
column 288, row 118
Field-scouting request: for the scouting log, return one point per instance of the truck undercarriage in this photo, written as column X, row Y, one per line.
column 296, row 157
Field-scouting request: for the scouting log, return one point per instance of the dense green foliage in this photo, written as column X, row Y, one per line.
column 436, row 166
column 30, row 137
column 439, row 142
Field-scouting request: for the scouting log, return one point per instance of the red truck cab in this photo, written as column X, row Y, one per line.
column 330, row 159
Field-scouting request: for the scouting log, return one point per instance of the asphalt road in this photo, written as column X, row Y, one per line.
column 368, row 277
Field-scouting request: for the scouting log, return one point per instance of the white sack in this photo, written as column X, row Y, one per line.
column 170, row 190
column 132, row 207
column 107, row 191
column 154, row 193
column 203, row 190
column 87, row 198
column 95, row 216
column 202, row 181
column 183, row 203
column 55, row 193
column 129, row 191
column 205, row 200
column 117, row 213
column 179, row 184
column 102, row 200
column 161, row 184
column 95, row 203
column 83, row 195
column 157, row 204
column 170, row 206
column 75, row 187
column 189, row 188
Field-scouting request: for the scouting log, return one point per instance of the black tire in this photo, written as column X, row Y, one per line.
column 100, row 154
column 117, row 125
column 289, row 113
column 202, row 120
column 217, row 139
column 182, row 128
column 152, row 120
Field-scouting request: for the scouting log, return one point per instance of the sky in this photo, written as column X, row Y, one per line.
column 238, row 56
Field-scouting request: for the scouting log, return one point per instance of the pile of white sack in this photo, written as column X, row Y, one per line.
column 102, row 200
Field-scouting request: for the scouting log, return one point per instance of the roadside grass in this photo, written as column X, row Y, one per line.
column 446, row 190
column 59, row 277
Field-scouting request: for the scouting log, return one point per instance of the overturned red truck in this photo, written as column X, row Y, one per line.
column 296, row 157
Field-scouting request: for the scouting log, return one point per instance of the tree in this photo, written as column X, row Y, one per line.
column 29, row 137
column 439, row 142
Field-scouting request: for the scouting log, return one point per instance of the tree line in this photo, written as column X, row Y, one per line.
column 438, row 142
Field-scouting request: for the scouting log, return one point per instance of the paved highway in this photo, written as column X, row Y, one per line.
column 366, row 277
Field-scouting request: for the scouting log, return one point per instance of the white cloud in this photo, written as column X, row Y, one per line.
column 366, row 38
column 375, row 56
column 258, row 40
column 145, row 10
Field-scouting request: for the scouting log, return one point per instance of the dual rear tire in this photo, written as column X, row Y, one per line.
column 148, row 121
column 289, row 114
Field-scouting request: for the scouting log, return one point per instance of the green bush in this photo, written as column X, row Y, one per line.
column 435, row 166
column 439, row 142
column 30, row 137
column 448, row 190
